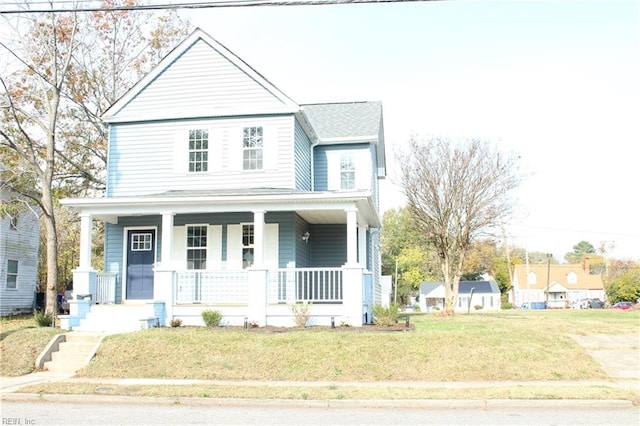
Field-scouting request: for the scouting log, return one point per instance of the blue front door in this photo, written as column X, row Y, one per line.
column 140, row 259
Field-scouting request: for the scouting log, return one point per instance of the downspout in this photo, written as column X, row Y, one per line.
column 313, row 171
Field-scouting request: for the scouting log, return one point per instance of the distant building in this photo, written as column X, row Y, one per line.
column 565, row 284
column 486, row 294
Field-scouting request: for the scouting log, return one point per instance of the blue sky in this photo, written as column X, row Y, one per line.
column 556, row 82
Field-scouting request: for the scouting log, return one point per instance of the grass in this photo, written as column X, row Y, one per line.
column 21, row 341
column 505, row 346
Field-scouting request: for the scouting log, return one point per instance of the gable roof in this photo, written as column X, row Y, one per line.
column 199, row 78
column 557, row 274
column 484, row 287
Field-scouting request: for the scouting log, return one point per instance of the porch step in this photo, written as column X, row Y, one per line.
column 74, row 353
column 113, row 319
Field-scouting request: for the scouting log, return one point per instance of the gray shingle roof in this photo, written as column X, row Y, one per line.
column 345, row 120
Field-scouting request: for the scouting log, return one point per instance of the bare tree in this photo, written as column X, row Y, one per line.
column 31, row 123
column 456, row 193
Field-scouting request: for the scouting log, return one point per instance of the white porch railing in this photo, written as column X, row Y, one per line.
column 315, row 285
column 226, row 287
column 106, row 288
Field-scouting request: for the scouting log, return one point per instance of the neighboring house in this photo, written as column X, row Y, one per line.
column 19, row 239
column 224, row 194
column 486, row 295
column 565, row 284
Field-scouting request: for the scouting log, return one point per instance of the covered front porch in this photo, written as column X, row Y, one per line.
column 281, row 271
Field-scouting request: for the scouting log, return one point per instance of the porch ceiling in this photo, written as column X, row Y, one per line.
column 316, row 208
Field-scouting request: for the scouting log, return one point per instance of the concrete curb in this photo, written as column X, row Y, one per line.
column 351, row 403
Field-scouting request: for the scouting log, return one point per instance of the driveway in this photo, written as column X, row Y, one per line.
column 618, row 355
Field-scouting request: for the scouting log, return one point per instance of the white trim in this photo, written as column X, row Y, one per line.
column 123, row 269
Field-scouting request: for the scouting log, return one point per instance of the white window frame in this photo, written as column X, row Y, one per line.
column 200, row 248
column 347, row 171
column 198, row 151
column 13, row 275
column 141, row 245
column 252, row 148
column 249, row 246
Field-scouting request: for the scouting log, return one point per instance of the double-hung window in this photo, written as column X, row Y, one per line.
column 247, row 245
column 198, row 150
column 12, row 274
column 252, row 148
column 197, row 247
column 347, row 172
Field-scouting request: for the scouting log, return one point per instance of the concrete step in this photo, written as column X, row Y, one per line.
column 74, row 353
column 116, row 319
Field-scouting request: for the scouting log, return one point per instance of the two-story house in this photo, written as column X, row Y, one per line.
column 19, row 240
column 224, row 194
column 559, row 285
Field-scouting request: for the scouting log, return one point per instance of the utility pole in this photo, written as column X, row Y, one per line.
column 395, row 296
column 549, row 256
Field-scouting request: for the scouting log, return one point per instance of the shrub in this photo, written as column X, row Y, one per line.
column 176, row 322
column 301, row 313
column 211, row 318
column 477, row 307
column 385, row 317
column 43, row 319
column 506, row 305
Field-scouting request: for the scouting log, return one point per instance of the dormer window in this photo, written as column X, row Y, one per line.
column 347, row 171
column 572, row 278
column 532, row 278
column 252, row 148
column 198, row 151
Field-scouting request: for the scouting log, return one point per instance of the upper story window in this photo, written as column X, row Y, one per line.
column 572, row 278
column 532, row 278
column 347, row 172
column 198, row 150
column 197, row 247
column 247, row 245
column 12, row 274
column 252, row 148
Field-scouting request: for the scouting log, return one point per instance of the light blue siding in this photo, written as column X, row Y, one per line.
column 302, row 159
column 328, row 245
column 201, row 82
column 321, row 162
column 151, row 158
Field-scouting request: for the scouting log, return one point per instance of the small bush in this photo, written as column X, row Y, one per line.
column 506, row 305
column 385, row 317
column 43, row 319
column 477, row 307
column 176, row 322
column 301, row 314
column 211, row 318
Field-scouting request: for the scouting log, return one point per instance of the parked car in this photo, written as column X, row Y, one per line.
column 534, row 305
column 622, row 306
column 596, row 303
column 580, row 304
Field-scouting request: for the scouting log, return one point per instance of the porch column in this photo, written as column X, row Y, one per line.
column 352, row 236
column 162, row 304
column 86, row 229
column 258, row 273
column 362, row 245
column 167, row 238
column 84, row 276
column 258, row 238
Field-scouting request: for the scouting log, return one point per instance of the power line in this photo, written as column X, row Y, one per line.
column 193, row 5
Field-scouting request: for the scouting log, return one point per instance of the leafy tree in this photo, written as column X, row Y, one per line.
column 579, row 251
column 456, row 192
column 622, row 284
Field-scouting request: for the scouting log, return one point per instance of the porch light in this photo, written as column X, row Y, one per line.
column 305, row 237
